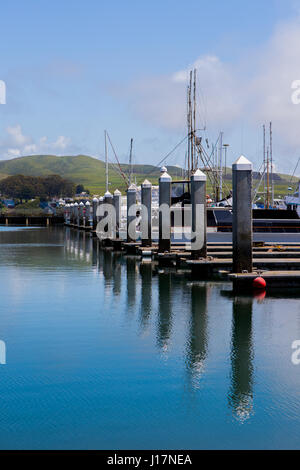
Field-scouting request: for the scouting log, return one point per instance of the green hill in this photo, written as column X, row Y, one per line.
column 81, row 169
column 90, row 172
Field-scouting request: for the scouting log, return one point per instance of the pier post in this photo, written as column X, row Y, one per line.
column 76, row 214
column 108, row 199
column 81, row 206
column 131, row 217
column 242, row 215
column 117, row 205
column 100, row 202
column 199, row 216
column 71, row 212
column 146, row 221
column 68, row 208
column 94, row 212
column 88, row 214
column 165, row 180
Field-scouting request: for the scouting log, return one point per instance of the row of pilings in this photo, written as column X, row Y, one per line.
column 89, row 215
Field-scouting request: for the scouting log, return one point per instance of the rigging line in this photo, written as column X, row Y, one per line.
column 161, row 161
column 120, row 168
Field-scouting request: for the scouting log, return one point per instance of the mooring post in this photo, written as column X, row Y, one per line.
column 67, row 209
column 100, row 202
column 108, row 199
column 71, row 212
column 164, row 242
column 81, row 206
column 89, row 213
column 131, row 215
column 94, row 212
column 242, row 215
column 117, row 205
column 76, row 214
column 146, row 221
column 199, row 216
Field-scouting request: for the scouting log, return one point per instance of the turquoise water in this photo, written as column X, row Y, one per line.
column 103, row 354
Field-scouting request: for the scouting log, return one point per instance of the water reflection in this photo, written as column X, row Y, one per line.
column 164, row 320
column 197, row 343
column 146, row 295
column 240, row 396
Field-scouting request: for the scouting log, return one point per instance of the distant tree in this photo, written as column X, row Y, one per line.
column 27, row 187
column 79, row 188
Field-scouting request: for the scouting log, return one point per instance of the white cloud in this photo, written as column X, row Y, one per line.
column 16, row 144
column 253, row 91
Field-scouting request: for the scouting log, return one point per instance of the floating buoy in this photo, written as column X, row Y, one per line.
column 259, row 283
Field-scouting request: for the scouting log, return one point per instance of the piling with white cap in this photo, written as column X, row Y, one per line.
column 94, row 211
column 165, row 180
column 81, row 214
column 199, row 216
column 108, row 199
column 117, row 205
column 88, row 214
column 76, row 214
column 242, row 215
column 146, row 221
column 131, row 215
column 71, row 212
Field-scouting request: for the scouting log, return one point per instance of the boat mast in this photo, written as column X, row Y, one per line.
column 271, row 159
column 106, row 163
column 130, row 162
column 268, row 180
column 264, row 162
column 221, row 165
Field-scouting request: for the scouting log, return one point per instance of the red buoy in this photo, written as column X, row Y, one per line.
column 259, row 283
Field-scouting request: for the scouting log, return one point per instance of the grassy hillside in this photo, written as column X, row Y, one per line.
column 81, row 169
column 90, row 172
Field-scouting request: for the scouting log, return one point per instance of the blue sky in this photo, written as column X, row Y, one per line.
column 74, row 68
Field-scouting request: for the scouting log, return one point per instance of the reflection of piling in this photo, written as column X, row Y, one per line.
column 164, row 324
column 198, row 341
column 131, row 280
column 199, row 218
column 117, row 205
column 165, row 181
column 146, row 294
column 241, row 395
column 131, row 215
column 146, row 221
column 242, row 215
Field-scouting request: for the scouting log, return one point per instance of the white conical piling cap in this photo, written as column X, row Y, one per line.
column 100, row 199
column 132, row 188
column 107, row 194
column 198, row 176
column 76, row 204
column 87, row 203
column 146, row 184
column 117, row 193
column 71, row 205
column 81, row 204
column 164, row 175
column 95, row 199
column 242, row 163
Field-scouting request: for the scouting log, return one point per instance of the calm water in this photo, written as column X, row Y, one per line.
column 103, row 354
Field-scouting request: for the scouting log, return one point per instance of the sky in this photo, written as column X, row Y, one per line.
column 75, row 68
